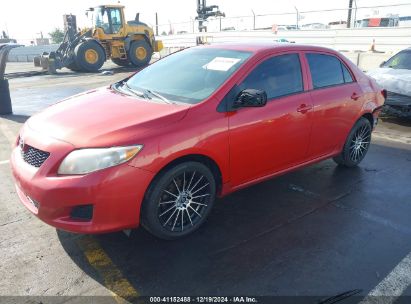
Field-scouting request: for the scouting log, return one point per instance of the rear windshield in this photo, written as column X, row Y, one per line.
column 191, row 75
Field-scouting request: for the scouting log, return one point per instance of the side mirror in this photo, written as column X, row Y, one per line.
column 382, row 63
column 250, row 98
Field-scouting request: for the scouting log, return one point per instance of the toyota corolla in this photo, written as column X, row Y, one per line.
column 157, row 148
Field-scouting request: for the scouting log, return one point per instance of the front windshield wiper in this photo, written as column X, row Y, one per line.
column 135, row 92
column 154, row 93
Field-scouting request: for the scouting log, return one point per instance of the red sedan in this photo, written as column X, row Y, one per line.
column 159, row 146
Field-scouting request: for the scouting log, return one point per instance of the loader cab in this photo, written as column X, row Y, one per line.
column 109, row 18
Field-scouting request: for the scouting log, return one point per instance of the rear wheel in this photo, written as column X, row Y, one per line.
column 121, row 62
column 179, row 201
column 140, row 53
column 73, row 66
column 89, row 56
column 356, row 145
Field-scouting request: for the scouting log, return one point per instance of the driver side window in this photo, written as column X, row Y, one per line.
column 115, row 16
column 277, row 76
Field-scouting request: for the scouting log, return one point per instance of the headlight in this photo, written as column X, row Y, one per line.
column 88, row 160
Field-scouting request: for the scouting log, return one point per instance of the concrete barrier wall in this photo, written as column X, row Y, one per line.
column 27, row 53
column 353, row 42
column 368, row 61
column 364, row 60
column 356, row 39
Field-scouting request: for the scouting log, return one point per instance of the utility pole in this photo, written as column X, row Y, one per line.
column 298, row 16
column 355, row 13
column 349, row 13
column 253, row 19
column 156, row 24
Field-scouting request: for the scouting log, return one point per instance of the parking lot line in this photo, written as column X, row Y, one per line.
column 393, row 285
column 4, row 162
column 113, row 279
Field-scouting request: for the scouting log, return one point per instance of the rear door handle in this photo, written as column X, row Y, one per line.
column 304, row 108
column 355, row 96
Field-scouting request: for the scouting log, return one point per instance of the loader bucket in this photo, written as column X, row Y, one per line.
column 46, row 62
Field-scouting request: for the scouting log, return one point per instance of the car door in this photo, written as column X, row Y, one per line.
column 337, row 100
column 274, row 137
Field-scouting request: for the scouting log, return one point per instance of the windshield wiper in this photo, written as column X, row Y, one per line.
column 135, row 92
column 154, row 93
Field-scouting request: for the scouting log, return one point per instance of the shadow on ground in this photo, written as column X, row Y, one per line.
column 16, row 118
column 298, row 234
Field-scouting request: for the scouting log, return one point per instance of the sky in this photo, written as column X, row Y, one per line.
column 24, row 20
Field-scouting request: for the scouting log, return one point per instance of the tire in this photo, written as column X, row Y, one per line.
column 140, row 53
column 121, row 62
column 89, row 56
column 73, row 66
column 356, row 145
column 169, row 210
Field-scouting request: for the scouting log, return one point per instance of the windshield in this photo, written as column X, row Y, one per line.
column 400, row 61
column 100, row 18
column 189, row 76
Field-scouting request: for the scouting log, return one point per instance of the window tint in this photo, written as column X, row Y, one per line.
column 347, row 75
column 327, row 70
column 277, row 76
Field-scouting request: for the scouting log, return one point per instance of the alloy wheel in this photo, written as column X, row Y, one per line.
column 360, row 143
column 184, row 201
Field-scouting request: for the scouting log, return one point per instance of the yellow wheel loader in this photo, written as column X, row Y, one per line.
column 129, row 43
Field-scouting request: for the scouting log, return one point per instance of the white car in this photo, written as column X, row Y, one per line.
column 394, row 75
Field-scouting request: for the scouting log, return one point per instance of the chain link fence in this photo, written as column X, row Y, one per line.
column 392, row 15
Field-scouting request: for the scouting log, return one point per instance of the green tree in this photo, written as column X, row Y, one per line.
column 57, row 35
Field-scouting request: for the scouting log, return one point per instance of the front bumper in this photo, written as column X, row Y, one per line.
column 115, row 193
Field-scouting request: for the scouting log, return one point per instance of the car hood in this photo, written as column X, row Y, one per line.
column 393, row 80
column 104, row 117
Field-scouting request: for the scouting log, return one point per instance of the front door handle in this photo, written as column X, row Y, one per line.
column 304, row 108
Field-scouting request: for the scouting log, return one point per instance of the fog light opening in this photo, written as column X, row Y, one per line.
column 84, row 212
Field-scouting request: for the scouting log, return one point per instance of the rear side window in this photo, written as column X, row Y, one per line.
column 327, row 70
column 346, row 73
column 277, row 76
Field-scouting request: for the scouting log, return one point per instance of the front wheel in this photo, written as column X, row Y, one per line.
column 179, row 201
column 356, row 145
column 140, row 53
column 89, row 56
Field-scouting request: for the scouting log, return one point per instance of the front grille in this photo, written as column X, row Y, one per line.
column 397, row 99
column 33, row 156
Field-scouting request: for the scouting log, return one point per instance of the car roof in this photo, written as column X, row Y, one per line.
column 260, row 47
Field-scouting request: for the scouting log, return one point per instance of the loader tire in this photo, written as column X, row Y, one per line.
column 89, row 56
column 140, row 53
column 121, row 62
column 73, row 66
